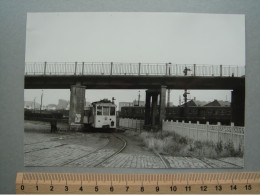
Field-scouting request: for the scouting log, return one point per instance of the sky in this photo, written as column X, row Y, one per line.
column 179, row 38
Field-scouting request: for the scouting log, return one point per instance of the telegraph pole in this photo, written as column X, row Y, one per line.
column 169, row 91
column 34, row 104
column 41, row 102
column 185, row 95
column 139, row 98
column 185, row 71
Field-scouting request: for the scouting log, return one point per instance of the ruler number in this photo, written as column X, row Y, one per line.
column 188, row 188
column 233, row 187
column 157, row 188
column 219, row 188
column 203, row 188
column 81, row 188
column 22, row 187
column 96, row 188
column 173, row 188
column 248, row 187
column 142, row 188
column 126, row 188
column 66, row 188
column 111, row 189
column 51, row 188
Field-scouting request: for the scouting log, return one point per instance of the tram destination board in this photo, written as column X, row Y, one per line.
column 193, row 183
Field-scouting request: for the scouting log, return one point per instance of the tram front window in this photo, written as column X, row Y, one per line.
column 99, row 110
column 105, row 111
column 112, row 111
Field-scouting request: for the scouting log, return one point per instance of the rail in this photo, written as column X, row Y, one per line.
column 138, row 69
column 116, row 152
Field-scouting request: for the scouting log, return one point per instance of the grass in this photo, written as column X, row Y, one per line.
column 175, row 145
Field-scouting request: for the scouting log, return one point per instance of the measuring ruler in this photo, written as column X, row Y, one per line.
column 195, row 183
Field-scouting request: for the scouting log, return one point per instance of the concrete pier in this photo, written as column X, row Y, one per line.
column 154, row 109
column 77, row 101
column 147, row 108
column 162, row 113
column 238, row 106
column 153, row 119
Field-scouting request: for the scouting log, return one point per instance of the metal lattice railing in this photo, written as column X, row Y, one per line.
column 110, row 68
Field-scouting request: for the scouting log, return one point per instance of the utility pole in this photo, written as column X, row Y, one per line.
column 185, row 71
column 41, row 102
column 113, row 100
column 169, row 91
column 168, row 99
column 139, row 98
column 34, row 104
column 185, row 95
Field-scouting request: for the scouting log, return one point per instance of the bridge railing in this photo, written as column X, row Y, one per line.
column 111, row 68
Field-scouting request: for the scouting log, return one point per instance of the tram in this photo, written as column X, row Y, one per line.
column 102, row 114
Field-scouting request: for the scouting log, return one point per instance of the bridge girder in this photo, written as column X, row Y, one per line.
column 133, row 82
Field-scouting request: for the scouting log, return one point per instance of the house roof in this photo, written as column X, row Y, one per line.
column 195, row 103
column 219, row 103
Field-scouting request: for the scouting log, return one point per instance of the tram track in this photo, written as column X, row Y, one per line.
column 221, row 161
column 116, row 152
column 164, row 161
column 94, row 151
column 45, row 148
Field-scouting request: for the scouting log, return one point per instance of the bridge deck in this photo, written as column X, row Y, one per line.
column 132, row 82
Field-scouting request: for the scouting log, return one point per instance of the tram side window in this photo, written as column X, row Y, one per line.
column 99, row 110
column 105, row 111
column 112, row 111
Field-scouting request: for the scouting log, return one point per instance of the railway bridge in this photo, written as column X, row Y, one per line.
column 155, row 77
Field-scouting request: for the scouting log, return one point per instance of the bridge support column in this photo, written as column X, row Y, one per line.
column 154, row 109
column 238, row 106
column 77, row 101
column 147, row 108
column 162, row 113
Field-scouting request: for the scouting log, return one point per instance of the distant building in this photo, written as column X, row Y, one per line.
column 131, row 104
column 140, row 103
column 62, row 104
column 51, row 107
column 219, row 103
column 124, row 104
column 87, row 105
column 31, row 105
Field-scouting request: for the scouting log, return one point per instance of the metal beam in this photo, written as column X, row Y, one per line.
column 134, row 82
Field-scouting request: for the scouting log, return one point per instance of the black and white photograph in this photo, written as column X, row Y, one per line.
column 134, row 90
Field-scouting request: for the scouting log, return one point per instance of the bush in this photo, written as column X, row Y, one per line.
column 198, row 144
column 183, row 140
column 175, row 145
column 230, row 150
column 164, row 142
column 219, row 147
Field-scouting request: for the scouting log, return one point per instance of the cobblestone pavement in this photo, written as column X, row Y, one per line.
column 42, row 148
column 190, row 162
column 134, row 155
